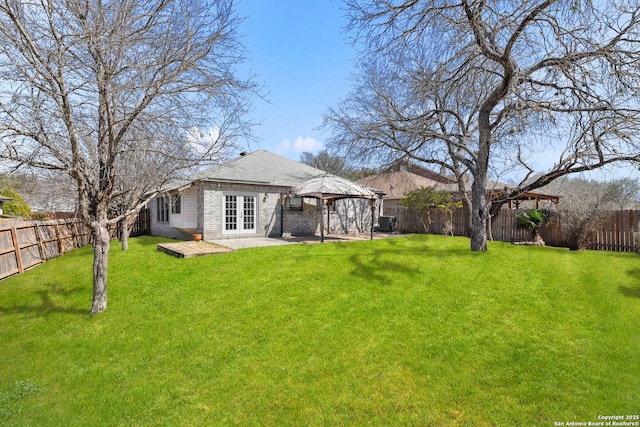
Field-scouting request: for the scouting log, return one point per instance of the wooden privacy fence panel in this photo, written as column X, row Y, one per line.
column 616, row 231
column 409, row 221
column 49, row 240
column 8, row 256
column 26, row 244
column 505, row 229
column 142, row 224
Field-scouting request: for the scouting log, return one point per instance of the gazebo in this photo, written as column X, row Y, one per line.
column 329, row 188
column 525, row 196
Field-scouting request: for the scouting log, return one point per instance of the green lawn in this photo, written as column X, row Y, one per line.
column 406, row 331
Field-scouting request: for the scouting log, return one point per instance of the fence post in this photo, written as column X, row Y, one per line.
column 16, row 245
column 43, row 255
column 147, row 220
column 76, row 243
column 59, row 239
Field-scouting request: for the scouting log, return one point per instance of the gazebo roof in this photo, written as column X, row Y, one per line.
column 527, row 195
column 333, row 187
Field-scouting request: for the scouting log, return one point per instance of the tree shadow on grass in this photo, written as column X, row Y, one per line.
column 373, row 268
column 146, row 240
column 47, row 305
column 376, row 266
column 631, row 291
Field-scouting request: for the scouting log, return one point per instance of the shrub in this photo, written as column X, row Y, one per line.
column 16, row 207
column 37, row 216
column 533, row 220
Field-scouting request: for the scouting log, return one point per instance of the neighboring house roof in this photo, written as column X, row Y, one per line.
column 406, row 166
column 5, row 199
column 397, row 184
column 260, row 167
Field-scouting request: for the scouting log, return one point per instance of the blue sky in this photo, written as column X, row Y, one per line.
column 298, row 50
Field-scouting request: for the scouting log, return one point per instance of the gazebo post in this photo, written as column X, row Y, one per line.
column 322, row 222
column 372, row 204
column 329, row 203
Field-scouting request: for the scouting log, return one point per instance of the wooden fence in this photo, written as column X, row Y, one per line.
column 142, row 224
column 24, row 245
column 616, row 232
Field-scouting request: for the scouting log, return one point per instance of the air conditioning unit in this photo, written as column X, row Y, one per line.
column 387, row 223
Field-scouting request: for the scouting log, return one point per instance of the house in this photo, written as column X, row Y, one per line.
column 403, row 178
column 251, row 196
column 398, row 183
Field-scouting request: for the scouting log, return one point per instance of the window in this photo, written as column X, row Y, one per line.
column 293, row 204
column 249, row 213
column 162, row 209
column 230, row 216
column 176, row 204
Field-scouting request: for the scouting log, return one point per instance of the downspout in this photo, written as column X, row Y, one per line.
column 282, row 196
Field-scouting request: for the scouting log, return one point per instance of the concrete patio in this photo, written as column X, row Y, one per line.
column 190, row 249
column 255, row 242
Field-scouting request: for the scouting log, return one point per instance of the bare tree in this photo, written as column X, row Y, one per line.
column 44, row 197
column 487, row 87
column 326, row 162
column 108, row 91
column 586, row 204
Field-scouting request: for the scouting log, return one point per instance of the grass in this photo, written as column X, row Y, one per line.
column 407, row 331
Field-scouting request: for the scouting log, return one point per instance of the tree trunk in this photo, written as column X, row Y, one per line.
column 537, row 238
column 124, row 233
column 479, row 207
column 478, row 216
column 424, row 224
column 100, row 234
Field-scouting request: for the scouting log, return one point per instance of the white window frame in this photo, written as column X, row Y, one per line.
column 176, row 204
column 163, row 208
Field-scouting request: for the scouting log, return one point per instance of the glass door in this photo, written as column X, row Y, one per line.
column 248, row 214
column 239, row 214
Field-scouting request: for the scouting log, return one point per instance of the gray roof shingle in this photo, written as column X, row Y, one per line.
column 260, row 167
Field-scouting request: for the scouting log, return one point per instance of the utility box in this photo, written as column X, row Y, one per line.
column 387, row 223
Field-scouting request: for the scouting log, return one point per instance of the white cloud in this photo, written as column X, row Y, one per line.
column 300, row 145
column 306, row 144
column 204, row 136
column 203, row 141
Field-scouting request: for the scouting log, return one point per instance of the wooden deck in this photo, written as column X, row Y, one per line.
column 191, row 249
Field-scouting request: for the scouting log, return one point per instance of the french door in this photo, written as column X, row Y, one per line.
column 239, row 214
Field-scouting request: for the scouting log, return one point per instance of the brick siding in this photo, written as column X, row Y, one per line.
column 350, row 215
